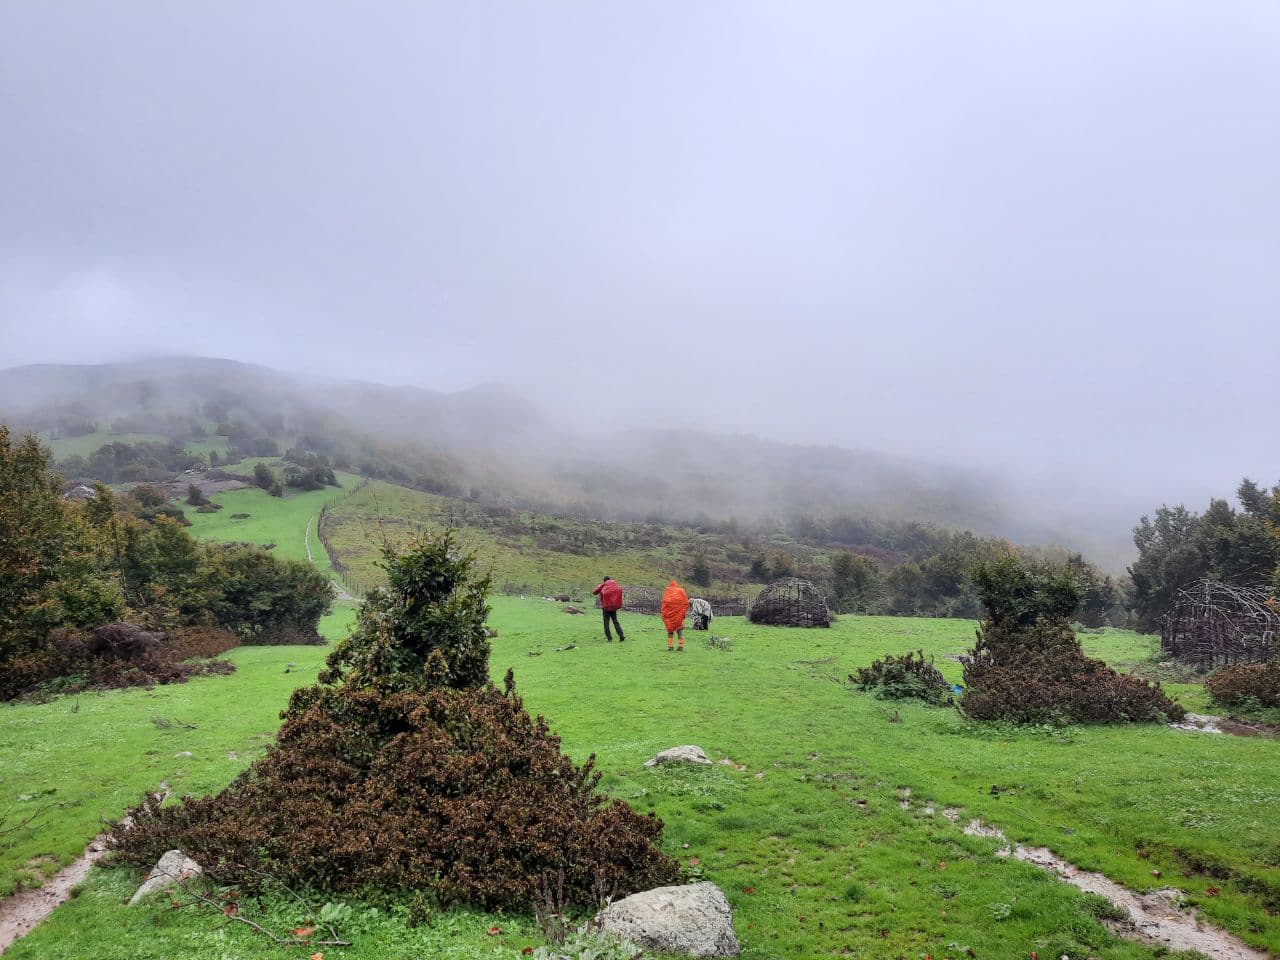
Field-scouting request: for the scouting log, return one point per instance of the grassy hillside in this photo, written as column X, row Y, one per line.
column 283, row 521
column 498, row 446
column 809, row 839
column 541, row 554
column 805, row 830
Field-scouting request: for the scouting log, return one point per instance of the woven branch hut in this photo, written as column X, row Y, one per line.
column 1213, row 623
column 791, row 602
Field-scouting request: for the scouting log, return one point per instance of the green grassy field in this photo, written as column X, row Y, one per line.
column 809, row 840
column 279, row 520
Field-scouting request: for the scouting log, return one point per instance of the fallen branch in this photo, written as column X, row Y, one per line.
column 229, row 909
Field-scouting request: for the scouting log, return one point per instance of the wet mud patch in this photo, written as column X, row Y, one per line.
column 1207, row 723
column 24, row 910
column 1158, row 918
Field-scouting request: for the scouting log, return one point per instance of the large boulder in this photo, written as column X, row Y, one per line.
column 685, row 754
column 174, row 867
column 694, row 920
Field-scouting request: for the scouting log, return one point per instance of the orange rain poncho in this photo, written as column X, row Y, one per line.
column 675, row 603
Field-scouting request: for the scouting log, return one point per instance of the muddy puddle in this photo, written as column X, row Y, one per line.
column 1157, row 918
column 1205, row 723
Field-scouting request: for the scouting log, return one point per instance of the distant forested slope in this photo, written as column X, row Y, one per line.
column 491, row 445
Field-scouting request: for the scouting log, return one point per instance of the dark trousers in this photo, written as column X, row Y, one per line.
column 612, row 615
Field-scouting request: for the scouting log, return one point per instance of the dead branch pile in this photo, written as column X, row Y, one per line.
column 790, row 602
column 1213, row 623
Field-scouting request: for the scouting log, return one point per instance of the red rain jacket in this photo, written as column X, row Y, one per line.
column 610, row 593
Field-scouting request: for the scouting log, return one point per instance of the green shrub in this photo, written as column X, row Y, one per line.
column 1027, row 665
column 1245, row 684
column 405, row 770
column 255, row 594
column 908, row 677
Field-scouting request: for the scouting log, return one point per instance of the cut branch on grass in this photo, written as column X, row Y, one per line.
column 231, row 910
column 9, row 827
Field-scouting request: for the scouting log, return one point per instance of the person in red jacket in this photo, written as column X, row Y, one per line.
column 610, row 594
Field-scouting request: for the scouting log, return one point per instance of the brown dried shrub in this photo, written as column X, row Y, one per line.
column 189, row 643
column 406, row 770
column 1027, row 665
column 108, row 657
column 1245, row 684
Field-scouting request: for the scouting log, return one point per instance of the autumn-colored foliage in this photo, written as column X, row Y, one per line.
column 1246, row 684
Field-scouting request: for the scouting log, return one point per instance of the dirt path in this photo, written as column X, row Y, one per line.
column 22, row 912
column 1157, row 918
column 339, row 589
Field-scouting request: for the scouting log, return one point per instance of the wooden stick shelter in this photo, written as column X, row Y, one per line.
column 791, row 602
column 1213, row 623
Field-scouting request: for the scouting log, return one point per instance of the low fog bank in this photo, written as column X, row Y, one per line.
column 496, row 443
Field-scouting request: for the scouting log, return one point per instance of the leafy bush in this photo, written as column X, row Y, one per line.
column 71, row 573
column 404, row 769
column 1245, row 684
column 256, row 594
column 908, row 677
column 286, row 635
column 1027, row 665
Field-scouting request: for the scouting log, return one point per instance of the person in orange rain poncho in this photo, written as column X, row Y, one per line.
column 675, row 604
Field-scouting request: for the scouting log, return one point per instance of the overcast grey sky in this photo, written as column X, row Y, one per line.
column 1035, row 236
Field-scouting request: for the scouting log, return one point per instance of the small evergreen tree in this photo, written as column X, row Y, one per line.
column 700, row 571
column 853, row 582
column 263, row 477
column 404, row 769
column 1027, row 665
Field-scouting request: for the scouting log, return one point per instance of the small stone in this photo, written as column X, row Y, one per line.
column 174, row 867
column 184, row 754
column 685, row 754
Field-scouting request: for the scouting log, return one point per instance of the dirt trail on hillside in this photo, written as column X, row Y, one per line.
column 22, row 912
column 339, row 589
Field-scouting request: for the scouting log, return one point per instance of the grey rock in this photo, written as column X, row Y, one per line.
column 694, row 920
column 174, row 867
column 685, row 754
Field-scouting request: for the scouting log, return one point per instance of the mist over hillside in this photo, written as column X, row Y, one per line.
column 490, row 442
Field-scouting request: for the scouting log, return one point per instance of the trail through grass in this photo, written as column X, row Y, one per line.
column 809, row 840
column 270, row 520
